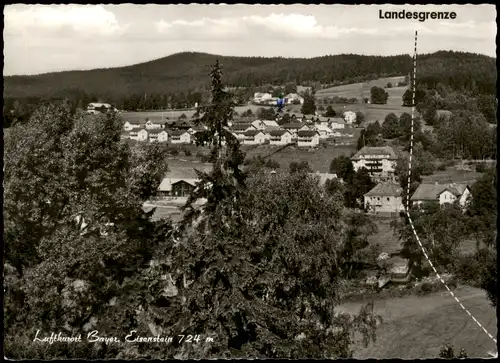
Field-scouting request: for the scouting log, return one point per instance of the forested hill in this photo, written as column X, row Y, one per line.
column 187, row 72
column 183, row 72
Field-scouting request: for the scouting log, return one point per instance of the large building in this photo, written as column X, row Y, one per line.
column 384, row 197
column 380, row 161
column 442, row 193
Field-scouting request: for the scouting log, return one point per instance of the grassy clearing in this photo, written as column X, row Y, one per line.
column 385, row 236
column 416, row 327
column 319, row 159
column 372, row 112
column 451, row 175
column 158, row 116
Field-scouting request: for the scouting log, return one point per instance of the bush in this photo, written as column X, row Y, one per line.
column 481, row 167
column 173, row 151
column 467, row 269
column 426, row 288
column 441, row 167
column 187, row 152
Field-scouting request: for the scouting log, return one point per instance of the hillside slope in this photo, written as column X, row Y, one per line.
column 184, row 72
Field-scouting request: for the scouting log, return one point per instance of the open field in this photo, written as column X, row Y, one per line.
column 452, row 174
column 417, row 327
column 174, row 114
column 385, row 236
column 371, row 112
column 319, row 159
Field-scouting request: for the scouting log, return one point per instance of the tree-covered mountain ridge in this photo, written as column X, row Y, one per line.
column 185, row 72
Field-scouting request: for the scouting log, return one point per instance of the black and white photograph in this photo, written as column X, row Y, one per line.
column 248, row 181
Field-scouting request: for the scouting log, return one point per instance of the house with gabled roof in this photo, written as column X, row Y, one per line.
column 384, row 197
column 295, row 127
column 138, row 134
column 309, row 138
column 239, row 129
column 150, row 125
column 158, row 135
column 442, row 193
column 323, row 177
column 129, row 125
column 255, row 137
column 179, row 136
column 337, row 123
column 280, row 137
column 380, row 161
column 324, row 131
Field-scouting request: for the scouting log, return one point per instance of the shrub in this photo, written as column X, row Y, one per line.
column 173, row 151
column 426, row 288
column 481, row 167
column 441, row 167
column 467, row 269
column 187, row 152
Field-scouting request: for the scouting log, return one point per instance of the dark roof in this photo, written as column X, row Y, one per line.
column 307, row 133
column 241, row 127
column 252, row 132
column 278, row 132
column 375, row 150
column 176, row 132
column 135, row 129
column 155, row 131
column 385, row 189
column 432, row 191
column 293, row 125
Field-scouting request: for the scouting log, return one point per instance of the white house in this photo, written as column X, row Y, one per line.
column 240, row 129
column 323, row 177
column 337, row 123
column 308, row 138
column 442, row 193
column 129, row 125
column 295, row 127
column 291, row 97
column 324, row 131
column 138, row 134
column 260, row 97
column 255, row 137
column 350, row 117
column 380, row 161
column 179, row 137
column 280, row 137
column 384, row 197
column 270, row 124
column 150, row 125
column 96, row 107
column 158, row 135
column 259, row 125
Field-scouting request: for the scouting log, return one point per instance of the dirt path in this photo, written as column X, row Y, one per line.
column 416, row 327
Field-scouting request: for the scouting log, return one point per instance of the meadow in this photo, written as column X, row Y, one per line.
column 417, row 326
column 372, row 112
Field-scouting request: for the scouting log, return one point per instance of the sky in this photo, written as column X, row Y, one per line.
column 50, row 38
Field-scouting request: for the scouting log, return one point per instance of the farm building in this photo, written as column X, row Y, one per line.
column 260, row 97
column 442, row 193
column 176, row 187
column 240, row 129
column 280, row 137
column 294, row 97
column 138, row 134
column 158, row 135
column 255, row 137
column 97, row 107
column 307, row 138
column 177, row 125
column 337, row 123
column 380, row 161
column 179, row 137
column 384, row 197
column 259, row 125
